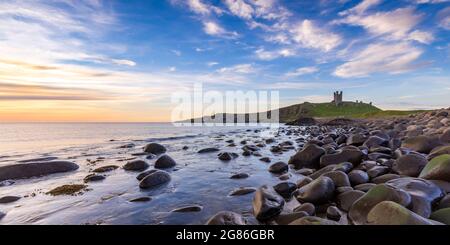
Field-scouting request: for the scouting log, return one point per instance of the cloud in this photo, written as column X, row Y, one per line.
column 381, row 24
column 214, row 29
column 242, row 68
column 307, row 34
column 176, row 52
column 444, row 18
column 376, row 58
column 198, row 6
column 124, row 62
column 240, row 8
column 294, row 85
column 303, row 71
column 212, row 63
column 431, row 1
column 361, row 7
column 262, row 54
column 172, row 69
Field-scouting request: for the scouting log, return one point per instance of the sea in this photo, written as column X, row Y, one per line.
column 198, row 179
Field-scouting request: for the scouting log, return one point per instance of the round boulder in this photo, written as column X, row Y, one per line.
column 308, row 157
column 410, row 165
column 267, row 204
column 165, row 161
column 155, row 179
column 437, row 169
column 36, row 169
column 155, row 148
column 136, row 165
column 278, row 167
column 318, row 191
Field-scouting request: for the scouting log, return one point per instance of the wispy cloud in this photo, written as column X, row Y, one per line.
column 303, row 71
column 263, row 54
column 214, row 29
column 309, row 35
column 390, row 58
column 242, row 68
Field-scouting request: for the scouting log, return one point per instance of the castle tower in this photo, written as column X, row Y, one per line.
column 337, row 98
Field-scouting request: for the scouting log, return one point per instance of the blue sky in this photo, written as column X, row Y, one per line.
column 121, row 60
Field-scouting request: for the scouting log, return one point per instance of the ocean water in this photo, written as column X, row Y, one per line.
column 200, row 179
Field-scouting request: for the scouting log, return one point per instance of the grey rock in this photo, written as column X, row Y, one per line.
column 29, row 170
column 267, row 204
column 9, row 199
column 278, row 167
column 155, row 148
column 136, row 165
column 93, row 178
column 318, row 191
column 410, row 165
column 391, row 213
column 188, row 209
column 242, row 191
column 165, row 161
column 345, row 200
column 339, row 178
column 308, row 157
column 285, row 189
column 358, row 177
column 155, row 179
column 208, row 150
column 307, row 207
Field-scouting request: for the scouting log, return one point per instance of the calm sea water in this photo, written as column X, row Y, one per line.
column 200, row 179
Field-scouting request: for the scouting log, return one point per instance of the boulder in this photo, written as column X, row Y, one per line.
column 226, row 218
column 136, row 165
column 93, row 178
column 437, row 169
column 208, row 150
column 345, row 200
column 145, row 174
column 242, row 191
column 313, row 220
column 359, row 210
column 285, row 189
column 339, row 178
column 154, row 148
column 278, row 167
column 377, row 171
column 188, row 209
column 105, row 169
column 37, row 169
column 375, row 141
column 445, row 137
column 240, row 176
column 318, row 191
column 346, row 154
column 385, row 178
column 441, row 150
column 227, row 156
column 358, row 177
column 444, row 202
column 165, row 161
column 422, row 143
column 9, row 199
column 410, row 165
column 356, row 139
column 391, row 213
column 441, row 215
column 155, row 179
column 307, row 207
column 267, row 204
column 423, row 193
column 308, row 157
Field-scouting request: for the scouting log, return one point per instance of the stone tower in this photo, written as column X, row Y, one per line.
column 337, row 98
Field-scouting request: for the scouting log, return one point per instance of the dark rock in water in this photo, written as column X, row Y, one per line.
column 242, row 191
column 226, row 218
column 267, row 204
column 308, row 157
column 190, row 208
column 265, row 159
column 364, row 187
column 307, row 207
column 339, row 178
column 445, row 202
column 385, row 178
column 410, row 165
column 145, row 174
column 344, row 167
column 358, row 177
column 136, row 165
column 377, row 171
column 319, row 191
column 155, row 148
column 155, row 179
column 105, row 169
column 313, row 220
column 127, row 146
column 185, row 148
column 93, row 178
column 141, row 199
column 285, row 176
column 165, row 161
column 423, row 193
column 227, row 156
column 285, row 189
column 240, row 176
column 391, row 213
column 29, row 170
column 333, row 213
column 2, row 215
column 8, row 199
column 285, row 219
column 347, row 154
column 278, row 167
column 150, row 156
column 437, row 169
column 6, row 183
column 67, row 190
column 303, row 121
column 345, row 200
column 246, row 153
column 422, row 143
column 442, row 215
column 208, row 150
column 441, row 150
column 359, row 210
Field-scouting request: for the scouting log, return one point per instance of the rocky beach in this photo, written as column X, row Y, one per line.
column 383, row 171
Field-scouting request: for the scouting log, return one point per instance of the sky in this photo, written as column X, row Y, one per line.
column 94, row 60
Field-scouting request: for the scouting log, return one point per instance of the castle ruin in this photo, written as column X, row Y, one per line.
column 337, row 98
